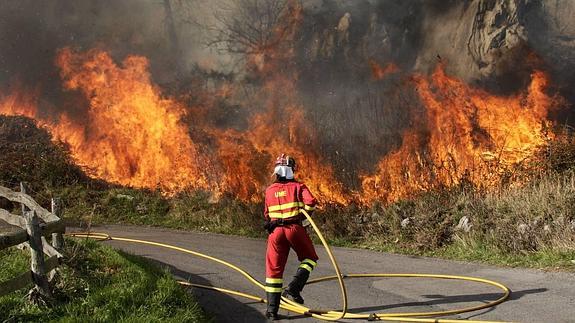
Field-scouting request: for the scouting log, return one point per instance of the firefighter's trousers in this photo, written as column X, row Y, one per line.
column 279, row 243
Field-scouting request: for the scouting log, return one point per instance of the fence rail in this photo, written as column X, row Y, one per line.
column 26, row 278
column 34, row 225
column 19, row 236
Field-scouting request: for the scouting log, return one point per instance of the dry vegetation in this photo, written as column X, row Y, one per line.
column 28, row 154
column 531, row 224
column 528, row 218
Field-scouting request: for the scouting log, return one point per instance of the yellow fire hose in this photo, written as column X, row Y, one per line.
column 332, row 315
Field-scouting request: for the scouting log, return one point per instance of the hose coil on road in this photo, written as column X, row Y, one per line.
column 332, row 315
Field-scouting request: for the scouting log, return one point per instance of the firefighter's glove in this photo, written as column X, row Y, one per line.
column 270, row 226
column 267, row 225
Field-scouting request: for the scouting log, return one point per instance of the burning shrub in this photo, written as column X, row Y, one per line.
column 28, row 154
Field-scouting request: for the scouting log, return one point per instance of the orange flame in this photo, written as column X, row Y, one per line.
column 466, row 134
column 135, row 136
column 281, row 127
column 132, row 136
column 378, row 72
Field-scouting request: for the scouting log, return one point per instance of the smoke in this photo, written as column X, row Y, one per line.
column 33, row 31
column 358, row 118
column 551, row 33
column 411, row 33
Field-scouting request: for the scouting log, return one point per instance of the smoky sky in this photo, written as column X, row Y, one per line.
column 32, row 31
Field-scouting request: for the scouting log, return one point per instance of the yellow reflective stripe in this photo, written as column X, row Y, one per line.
column 279, row 215
column 284, row 206
column 306, row 267
column 273, row 289
column 274, row 280
column 311, row 262
column 309, row 207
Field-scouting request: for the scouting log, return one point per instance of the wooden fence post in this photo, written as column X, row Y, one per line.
column 22, row 246
column 32, row 234
column 57, row 238
column 37, row 264
column 23, row 190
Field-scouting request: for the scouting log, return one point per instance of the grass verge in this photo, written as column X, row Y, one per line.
column 100, row 284
column 528, row 226
column 547, row 259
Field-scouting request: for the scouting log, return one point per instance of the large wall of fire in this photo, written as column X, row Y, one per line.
column 186, row 95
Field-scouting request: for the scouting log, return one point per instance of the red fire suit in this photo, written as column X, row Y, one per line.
column 283, row 202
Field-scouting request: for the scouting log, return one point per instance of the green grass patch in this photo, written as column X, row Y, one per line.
column 547, row 259
column 100, row 284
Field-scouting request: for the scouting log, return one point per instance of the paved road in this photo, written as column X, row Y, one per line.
column 537, row 296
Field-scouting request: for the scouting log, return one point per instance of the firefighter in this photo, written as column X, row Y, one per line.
column 284, row 200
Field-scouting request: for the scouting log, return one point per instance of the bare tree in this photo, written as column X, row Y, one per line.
column 249, row 26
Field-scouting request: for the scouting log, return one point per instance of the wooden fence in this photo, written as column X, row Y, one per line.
column 34, row 225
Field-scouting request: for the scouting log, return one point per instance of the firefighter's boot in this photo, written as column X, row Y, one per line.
column 273, row 306
column 296, row 286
